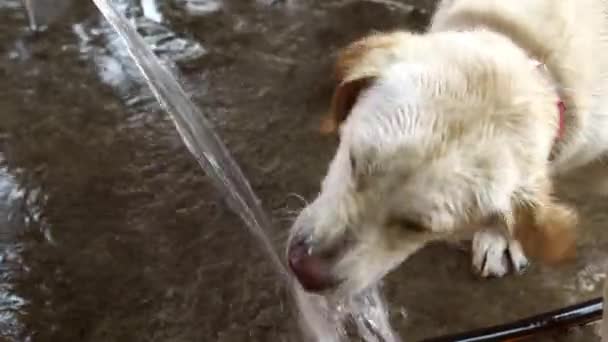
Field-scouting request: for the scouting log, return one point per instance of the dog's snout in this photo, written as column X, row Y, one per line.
column 311, row 270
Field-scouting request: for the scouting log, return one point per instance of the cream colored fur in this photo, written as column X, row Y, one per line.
column 451, row 132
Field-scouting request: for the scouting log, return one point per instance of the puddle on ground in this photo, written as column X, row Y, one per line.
column 109, row 231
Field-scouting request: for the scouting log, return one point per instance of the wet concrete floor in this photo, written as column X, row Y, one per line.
column 109, row 231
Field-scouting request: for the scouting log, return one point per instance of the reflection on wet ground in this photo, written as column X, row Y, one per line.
column 110, row 232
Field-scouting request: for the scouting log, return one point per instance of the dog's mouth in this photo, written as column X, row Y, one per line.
column 314, row 268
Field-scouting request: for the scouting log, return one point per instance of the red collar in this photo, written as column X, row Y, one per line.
column 561, row 106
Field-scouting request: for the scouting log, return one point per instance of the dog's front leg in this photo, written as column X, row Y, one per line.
column 495, row 253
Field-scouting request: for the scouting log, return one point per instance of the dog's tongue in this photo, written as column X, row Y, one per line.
column 312, row 272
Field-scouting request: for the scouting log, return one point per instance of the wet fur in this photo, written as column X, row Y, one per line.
column 453, row 131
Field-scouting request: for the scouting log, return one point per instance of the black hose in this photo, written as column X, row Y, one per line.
column 575, row 315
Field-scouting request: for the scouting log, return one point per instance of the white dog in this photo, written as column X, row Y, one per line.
column 458, row 130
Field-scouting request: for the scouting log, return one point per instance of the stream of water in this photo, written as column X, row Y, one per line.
column 320, row 320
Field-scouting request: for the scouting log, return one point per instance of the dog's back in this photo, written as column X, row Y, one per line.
column 570, row 37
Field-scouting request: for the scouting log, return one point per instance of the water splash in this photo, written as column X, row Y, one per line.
column 150, row 9
column 201, row 7
column 42, row 13
column 31, row 14
column 11, row 304
column 321, row 320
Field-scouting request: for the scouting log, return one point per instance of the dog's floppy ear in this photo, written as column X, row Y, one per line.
column 342, row 102
column 545, row 229
column 357, row 66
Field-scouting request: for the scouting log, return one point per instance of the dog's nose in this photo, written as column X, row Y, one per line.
column 312, row 271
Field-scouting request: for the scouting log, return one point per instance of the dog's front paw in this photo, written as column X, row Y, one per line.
column 494, row 255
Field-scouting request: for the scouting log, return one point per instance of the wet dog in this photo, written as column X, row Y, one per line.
column 458, row 131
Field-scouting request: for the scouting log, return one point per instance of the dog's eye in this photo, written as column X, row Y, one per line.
column 408, row 224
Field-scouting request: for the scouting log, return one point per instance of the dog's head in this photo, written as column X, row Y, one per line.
column 438, row 135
